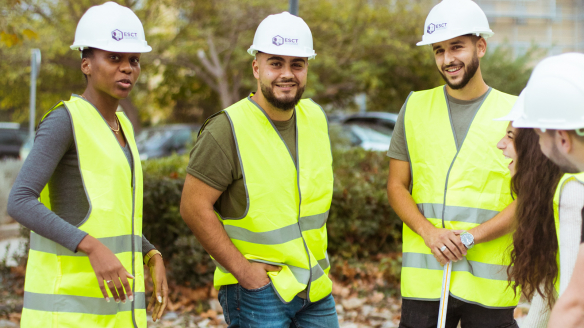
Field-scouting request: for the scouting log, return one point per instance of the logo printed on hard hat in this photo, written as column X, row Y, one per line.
column 431, row 28
column 434, row 27
column 119, row 35
column 278, row 41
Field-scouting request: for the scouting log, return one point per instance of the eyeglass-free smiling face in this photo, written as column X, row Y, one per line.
column 507, row 145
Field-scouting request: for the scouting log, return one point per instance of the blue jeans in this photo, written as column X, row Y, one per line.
column 263, row 308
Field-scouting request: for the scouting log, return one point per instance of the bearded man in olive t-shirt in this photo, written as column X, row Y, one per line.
column 259, row 188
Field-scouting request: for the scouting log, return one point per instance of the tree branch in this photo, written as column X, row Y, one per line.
column 214, row 56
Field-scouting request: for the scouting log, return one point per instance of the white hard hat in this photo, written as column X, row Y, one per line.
column 110, row 27
column 554, row 97
column 516, row 111
column 452, row 18
column 283, row 34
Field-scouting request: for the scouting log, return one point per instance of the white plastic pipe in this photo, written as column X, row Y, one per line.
column 444, row 295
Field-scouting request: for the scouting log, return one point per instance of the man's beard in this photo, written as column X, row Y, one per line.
column 561, row 161
column 285, row 103
column 469, row 73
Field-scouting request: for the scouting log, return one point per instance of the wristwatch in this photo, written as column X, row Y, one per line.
column 467, row 239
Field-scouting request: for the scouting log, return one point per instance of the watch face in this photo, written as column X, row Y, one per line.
column 466, row 239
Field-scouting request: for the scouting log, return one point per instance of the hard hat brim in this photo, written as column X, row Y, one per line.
column 427, row 41
column 525, row 123
column 126, row 48
column 285, row 52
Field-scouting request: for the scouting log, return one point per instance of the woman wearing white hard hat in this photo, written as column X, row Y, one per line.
column 553, row 108
column 87, row 247
column 534, row 269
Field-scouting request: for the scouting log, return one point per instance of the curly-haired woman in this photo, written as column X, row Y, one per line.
column 534, row 268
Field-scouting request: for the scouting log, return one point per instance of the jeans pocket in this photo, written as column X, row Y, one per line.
column 269, row 284
column 223, row 301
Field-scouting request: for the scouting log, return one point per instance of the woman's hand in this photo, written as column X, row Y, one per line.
column 107, row 267
column 160, row 295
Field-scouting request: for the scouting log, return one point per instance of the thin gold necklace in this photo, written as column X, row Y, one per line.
column 117, row 120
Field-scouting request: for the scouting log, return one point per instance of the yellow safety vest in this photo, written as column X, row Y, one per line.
column 457, row 190
column 61, row 289
column 567, row 177
column 288, row 201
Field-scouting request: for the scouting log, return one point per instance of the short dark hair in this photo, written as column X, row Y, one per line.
column 86, row 53
column 573, row 133
column 474, row 37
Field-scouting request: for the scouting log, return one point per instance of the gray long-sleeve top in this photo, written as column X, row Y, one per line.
column 53, row 160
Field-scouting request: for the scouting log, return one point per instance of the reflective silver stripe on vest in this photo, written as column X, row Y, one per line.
column 312, row 222
column 300, row 274
column 118, row 244
column 324, row 263
column 457, row 213
column 80, row 304
column 477, row 269
column 277, row 236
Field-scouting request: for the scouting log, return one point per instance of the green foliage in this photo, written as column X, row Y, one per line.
column 163, row 226
column 504, row 72
column 362, row 46
column 361, row 222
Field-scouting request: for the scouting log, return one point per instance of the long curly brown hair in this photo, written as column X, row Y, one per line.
column 535, row 245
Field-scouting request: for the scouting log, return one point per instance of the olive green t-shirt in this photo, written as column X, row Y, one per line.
column 214, row 161
column 462, row 113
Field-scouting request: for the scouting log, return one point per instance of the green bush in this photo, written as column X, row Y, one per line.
column 361, row 222
column 188, row 263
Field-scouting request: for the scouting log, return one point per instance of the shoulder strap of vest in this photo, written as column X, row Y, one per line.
column 503, row 95
column 57, row 105
column 439, row 90
column 208, row 120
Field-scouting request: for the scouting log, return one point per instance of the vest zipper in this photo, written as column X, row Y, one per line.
column 456, row 143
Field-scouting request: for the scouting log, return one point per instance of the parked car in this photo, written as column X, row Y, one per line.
column 381, row 122
column 356, row 135
column 11, row 139
column 369, row 130
column 162, row 141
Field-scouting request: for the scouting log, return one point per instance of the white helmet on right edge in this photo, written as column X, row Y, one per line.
column 554, row 96
column 452, row 18
column 283, row 34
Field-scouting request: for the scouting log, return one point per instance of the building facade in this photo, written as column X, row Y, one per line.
column 557, row 26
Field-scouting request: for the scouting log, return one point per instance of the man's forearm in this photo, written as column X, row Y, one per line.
column 501, row 224
column 212, row 236
column 569, row 311
column 406, row 209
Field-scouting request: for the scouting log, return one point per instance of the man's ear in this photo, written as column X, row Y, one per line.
column 86, row 66
column 564, row 141
column 256, row 68
column 481, row 47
